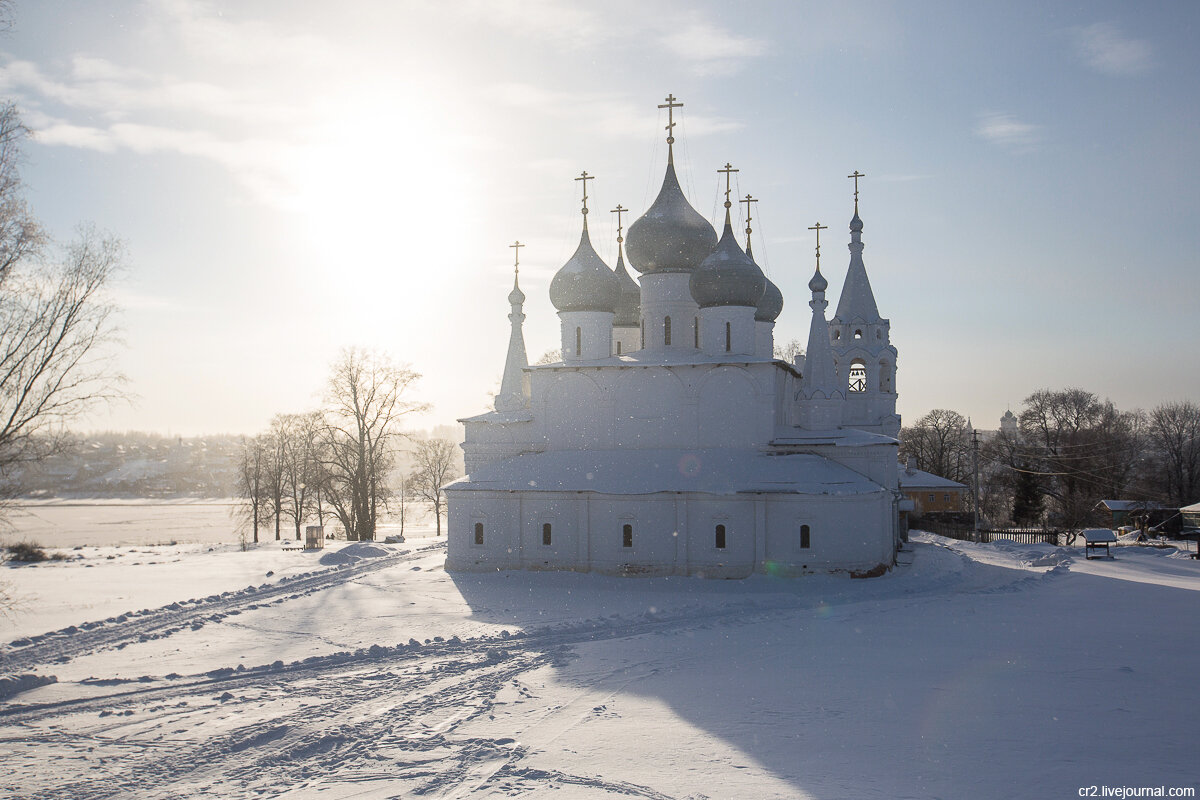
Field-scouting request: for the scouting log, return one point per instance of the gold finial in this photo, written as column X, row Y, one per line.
column 818, row 228
column 670, row 106
column 748, row 200
column 619, row 210
column 583, row 176
column 728, row 170
column 856, row 176
column 516, row 246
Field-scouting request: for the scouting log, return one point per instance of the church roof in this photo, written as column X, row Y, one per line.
column 641, row 472
column 585, row 283
column 857, row 301
column 671, row 236
column 728, row 277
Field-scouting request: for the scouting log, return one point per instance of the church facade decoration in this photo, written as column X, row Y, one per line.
column 669, row 440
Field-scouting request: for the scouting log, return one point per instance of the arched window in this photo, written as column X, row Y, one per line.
column 858, row 375
column 545, row 533
column 804, row 536
column 578, row 341
column 858, row 334
column 837, row 335
column 618, row 347
column 666, row 330
column 720, row 537
column 478, row 533
column 627, row 535
column 728, row 338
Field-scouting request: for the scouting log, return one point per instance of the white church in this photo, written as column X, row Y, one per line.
column 669, row 440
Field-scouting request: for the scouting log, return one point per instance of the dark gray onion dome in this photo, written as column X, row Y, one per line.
column 771, row 305
column 856, row 223
column 585, row 283
column 818, row 282
column 629, row 308
column 671, row 236
column 727, row 277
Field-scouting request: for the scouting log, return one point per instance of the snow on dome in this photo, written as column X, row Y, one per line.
column 671, row 236
column 629, row 307
column 727, row 277
column 585, row 283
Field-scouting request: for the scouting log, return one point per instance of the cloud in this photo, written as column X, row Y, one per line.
column 709, row 50
column 567, row 25
column 1007, row 131
column 1105, row 49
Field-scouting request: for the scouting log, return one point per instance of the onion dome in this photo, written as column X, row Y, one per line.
column 585, row 283
column 727, row 277
column 818, row 282
column 770, row 306
column 629, row 307
column 856, row 222
column 671, row 236
column 516, row 297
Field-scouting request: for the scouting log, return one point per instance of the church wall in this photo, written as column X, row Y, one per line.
column 845, row 533
column 741, row 339
column 500, row 515
column 489, row 442
column 737, row 515
column 626, row 340
column 561, row 512
column 764, row 339
column 653, row 519
column 586, row 335
column 669, row 295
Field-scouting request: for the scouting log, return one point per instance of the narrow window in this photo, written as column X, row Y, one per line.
column 728, row 339
column 578, row 341
column 720, row 537
column 696, row 332
column 931, row 498
column 545, row 533
column 667, row 330
column 945, row 498
column 478, row 533
column 643, row 334
column 837, row 335
column 618, row 348
column 804, row 536
column 626, row 536
column 858, row 376
column 858, row 334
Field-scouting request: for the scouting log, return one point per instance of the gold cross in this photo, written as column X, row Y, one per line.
column 856, row 176
column 516, row 245
column 670, row 106
column 583, row 176
column 748, row 201
column 729, row 170
column 818, row 228
column 619, row 210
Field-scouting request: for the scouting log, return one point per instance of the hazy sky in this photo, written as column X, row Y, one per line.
column 293, row 177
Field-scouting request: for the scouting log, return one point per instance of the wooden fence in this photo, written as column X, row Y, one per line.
column 967, row 533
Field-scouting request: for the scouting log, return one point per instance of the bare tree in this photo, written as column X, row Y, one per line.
column 251, row 482
column 55, row 324
column 433, row 461
column 788, row 352
column 20, row 234
column 1174, row 430
column 365, row 405
column 300, row 434
column 275, row 448
column 940, row 442
column 550, row 357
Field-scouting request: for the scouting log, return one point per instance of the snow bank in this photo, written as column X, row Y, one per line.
column 11, row 685
column 353, row 553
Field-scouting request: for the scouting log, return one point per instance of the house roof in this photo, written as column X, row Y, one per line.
column 641, row 472
column 920, row 479
column 1132, row 505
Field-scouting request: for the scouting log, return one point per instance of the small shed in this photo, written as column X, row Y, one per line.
column 1137, row 513
column 314, row 537
column 1095, row 538
column 1191, row 515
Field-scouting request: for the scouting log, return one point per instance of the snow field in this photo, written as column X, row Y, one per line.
column 997, row 670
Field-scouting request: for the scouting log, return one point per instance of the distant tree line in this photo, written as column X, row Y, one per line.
column 339, row 462
column 1070, row 450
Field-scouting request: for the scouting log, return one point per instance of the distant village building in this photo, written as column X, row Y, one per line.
column 1009, row 426
column 669, row 439
column 1134, row 513
column 931, row 493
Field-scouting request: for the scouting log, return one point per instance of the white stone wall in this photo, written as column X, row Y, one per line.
column 668, row 295
column 591, row 330
column 671, row 533
column 742, row 334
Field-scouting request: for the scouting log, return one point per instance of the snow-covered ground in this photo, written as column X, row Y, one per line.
column 366, row 671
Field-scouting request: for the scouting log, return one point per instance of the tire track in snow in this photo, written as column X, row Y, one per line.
column 116, row 632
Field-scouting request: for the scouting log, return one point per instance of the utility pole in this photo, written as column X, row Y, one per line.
column 975, row 481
